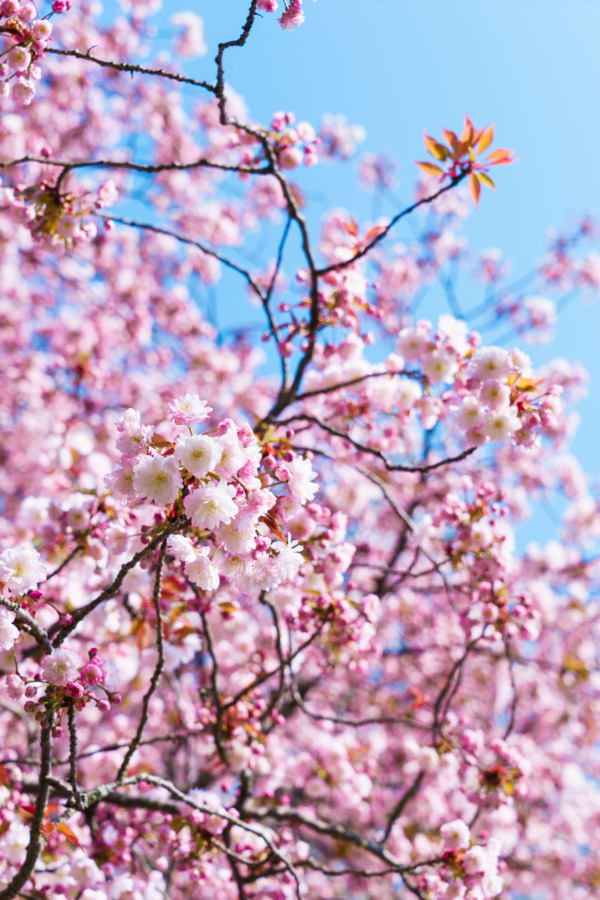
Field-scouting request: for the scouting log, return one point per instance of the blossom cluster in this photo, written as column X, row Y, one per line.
column 470, row 870
column 21, row 571
column 292, row 16
column 66, row 679
column 229, row 491
column 26, row 35
column 484, row 394
column 57, row 219
column 496, row 395
column 294, row 144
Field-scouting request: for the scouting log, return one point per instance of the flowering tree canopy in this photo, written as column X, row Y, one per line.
column 265, row 629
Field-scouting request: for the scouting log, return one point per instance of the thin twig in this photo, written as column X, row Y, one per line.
column 73, row 755
column 336, row 267
column 114, row 587
column 364, row 448
column 132, row 67
column 158, row 669
column 146, row 226
column 147, row 168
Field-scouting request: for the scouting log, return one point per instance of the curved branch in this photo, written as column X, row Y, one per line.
column 114, row 587
column 136, row 167
column 364, row 448
column 35, row 841
column 137, row 739
column 185, row 240
column 132, row 68
column 39, row 633
column 336, row 267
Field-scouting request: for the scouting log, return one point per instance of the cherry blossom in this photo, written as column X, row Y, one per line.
column 8, row 632
column 21, row 568
column 61, row 667
column 293, row 15
column 157, row 478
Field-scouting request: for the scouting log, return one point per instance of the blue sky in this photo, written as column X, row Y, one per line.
column 399, row 67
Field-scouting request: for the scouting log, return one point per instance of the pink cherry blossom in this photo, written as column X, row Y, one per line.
column 301, row 475
column 157, row 478
column 8, row 632
column 189, row 409
column 199, row 454
column 211, row 504
column 21, row 568
column 61, row 667
column 293, row 15
column 202, row 572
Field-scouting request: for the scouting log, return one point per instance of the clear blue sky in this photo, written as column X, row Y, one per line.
column 399, row 67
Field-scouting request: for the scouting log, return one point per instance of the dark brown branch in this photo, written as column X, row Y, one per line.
column 260, row 679
column 356, row 723
column 158, row 669
column 266, row 300
column 351, row 382
column 185, row 240
column 400, row 806
column 515, row 694
column 136, row 167
column 73, row 755
column 336, row 267
column 132, row 67
column 39, row 633
column 364, row 448
column 214, row 675
column 114, row 587
column 339, row 833
column 35, row 840
column 219, row 88
column 77, row 549
column 450, row 687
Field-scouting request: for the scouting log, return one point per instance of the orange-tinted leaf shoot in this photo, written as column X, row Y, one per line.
column 430, row 168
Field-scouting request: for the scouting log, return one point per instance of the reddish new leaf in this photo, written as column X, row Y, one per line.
column 485, row 179
column 486, row 139
column 430, row 168
column 435, row 148
column 475, row 188
column 70, row 836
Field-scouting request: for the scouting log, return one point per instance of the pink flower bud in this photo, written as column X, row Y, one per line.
column 74, row 689
column 91, row 674
column 310, row 156
column 15, row 687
